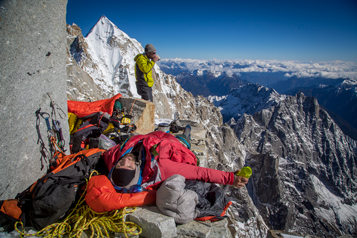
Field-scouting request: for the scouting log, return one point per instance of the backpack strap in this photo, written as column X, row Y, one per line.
column 183, row 139
column 65, row 179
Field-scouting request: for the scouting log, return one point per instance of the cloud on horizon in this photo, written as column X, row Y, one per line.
column 326, row 69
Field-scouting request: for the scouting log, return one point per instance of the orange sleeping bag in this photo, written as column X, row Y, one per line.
column 102, row 197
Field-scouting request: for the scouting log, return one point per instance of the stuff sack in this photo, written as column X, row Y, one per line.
column 175, row 201
column 10, row 213
column 50, row 198
column 212, row 201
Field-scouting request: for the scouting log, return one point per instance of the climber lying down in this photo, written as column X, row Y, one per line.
column 138, row 169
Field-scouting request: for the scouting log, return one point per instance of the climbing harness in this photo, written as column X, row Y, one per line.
column 82, row 218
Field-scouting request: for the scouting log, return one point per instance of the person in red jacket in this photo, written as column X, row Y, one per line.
column 125, row 173
column 173, row 158
column 146, row 161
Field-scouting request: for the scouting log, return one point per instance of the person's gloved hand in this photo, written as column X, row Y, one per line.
column 239, row 181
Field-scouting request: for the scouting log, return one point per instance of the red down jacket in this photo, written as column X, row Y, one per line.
column 173, row 158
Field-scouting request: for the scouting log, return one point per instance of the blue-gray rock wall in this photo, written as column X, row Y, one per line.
column 32, row 67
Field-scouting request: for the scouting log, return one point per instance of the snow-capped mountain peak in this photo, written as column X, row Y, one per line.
column 110, row 48
column 247, row 99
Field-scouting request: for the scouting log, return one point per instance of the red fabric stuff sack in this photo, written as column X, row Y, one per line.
column 85, row 109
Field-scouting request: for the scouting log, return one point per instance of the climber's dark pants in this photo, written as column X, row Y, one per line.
column 145, row 92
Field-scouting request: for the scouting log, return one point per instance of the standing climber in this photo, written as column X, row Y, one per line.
column 145, row 72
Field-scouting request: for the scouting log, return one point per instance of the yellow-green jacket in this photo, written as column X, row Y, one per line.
column 144, row 68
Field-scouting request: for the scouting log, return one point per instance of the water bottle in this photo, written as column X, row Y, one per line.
column 245, row 172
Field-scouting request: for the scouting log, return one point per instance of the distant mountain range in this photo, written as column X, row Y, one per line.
column 293, row 83
column 299, row 163
column 208, row 78
column 337, row 96
column 263, row 72
column 206, row 83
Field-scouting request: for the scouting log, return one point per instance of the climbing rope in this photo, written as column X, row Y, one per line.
column 82, row 218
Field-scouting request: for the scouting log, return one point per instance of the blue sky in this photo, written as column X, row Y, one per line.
column 267, row 30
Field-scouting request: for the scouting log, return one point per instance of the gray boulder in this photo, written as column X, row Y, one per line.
column 153, row 223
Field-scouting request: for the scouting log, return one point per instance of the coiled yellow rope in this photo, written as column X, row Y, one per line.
column 82, row 218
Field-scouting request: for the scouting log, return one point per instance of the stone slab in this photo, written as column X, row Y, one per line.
column 220, row 229
column 143, row 113
column 153, row 223
column 201, row 229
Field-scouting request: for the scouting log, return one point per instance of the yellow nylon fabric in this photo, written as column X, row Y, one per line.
column 74, row 123
column 146, row 66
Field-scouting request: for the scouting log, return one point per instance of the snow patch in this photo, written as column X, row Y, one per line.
column 337, row 210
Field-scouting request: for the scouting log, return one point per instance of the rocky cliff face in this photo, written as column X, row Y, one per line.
column 304, row 167
column 226, row 153
column 32, row 66
column 339, row 99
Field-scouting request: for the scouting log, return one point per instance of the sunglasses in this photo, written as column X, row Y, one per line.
column 133, row 189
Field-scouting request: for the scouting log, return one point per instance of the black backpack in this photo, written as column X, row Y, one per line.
column 52, row 196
